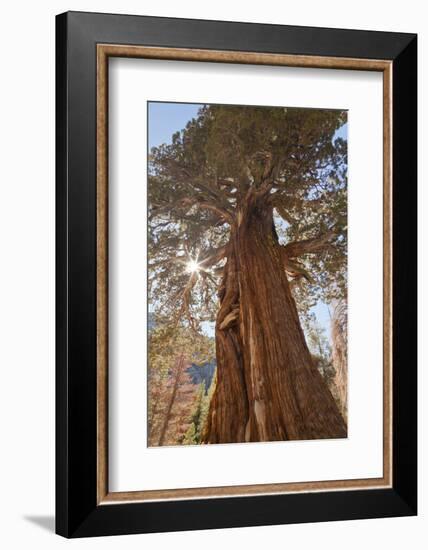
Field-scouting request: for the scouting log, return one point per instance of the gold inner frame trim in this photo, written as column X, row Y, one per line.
column 104, row 51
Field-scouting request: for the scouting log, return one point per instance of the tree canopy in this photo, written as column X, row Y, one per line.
column 199, row 183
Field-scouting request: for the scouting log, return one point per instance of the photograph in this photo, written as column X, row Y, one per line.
column 247, row 273
column 213, row 254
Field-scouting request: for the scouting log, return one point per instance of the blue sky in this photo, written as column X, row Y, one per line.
column 167, row 118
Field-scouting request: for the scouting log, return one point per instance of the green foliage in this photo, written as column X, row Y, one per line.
column 199, row 182
column 168, row 340
column 171, row 350
column 199, row 415
column 190, row 436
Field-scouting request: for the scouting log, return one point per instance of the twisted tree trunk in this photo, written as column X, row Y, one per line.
column 267, row 387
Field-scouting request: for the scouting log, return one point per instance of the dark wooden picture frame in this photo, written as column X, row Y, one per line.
column 84, row 505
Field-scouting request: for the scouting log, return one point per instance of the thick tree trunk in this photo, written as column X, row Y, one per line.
column 267, row 387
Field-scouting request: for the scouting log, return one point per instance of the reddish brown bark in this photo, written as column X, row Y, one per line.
column 267, row 387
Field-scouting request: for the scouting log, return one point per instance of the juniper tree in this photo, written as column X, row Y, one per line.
column 247, row 214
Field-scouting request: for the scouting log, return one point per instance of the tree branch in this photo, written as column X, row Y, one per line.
column 298, row 248
column 295, row 270
column 214, row 256
column 224, row 214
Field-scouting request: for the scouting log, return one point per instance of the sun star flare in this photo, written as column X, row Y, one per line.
column 192, row 266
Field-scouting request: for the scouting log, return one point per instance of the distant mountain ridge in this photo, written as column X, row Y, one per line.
column 202, row 373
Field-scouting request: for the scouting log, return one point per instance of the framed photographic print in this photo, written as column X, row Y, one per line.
column 236, row 274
